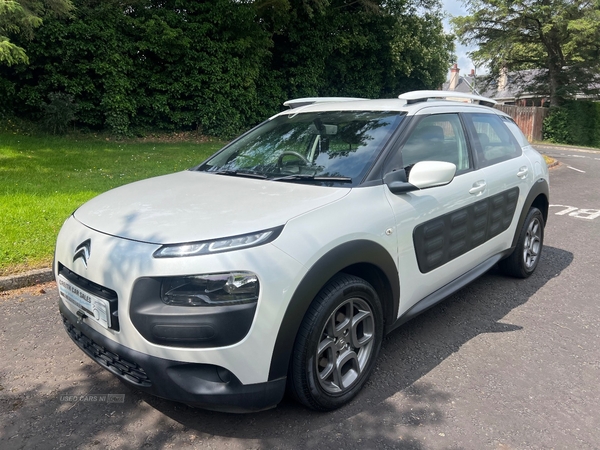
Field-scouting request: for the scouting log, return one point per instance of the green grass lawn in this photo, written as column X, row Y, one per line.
column 43, row 179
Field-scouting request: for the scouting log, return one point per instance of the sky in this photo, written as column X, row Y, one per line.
column 456, row 8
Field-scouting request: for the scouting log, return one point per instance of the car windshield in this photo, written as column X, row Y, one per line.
column 325, row 148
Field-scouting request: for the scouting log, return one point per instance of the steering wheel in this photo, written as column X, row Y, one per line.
column 291, row 153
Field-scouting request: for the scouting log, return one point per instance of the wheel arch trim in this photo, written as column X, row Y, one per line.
column 345, row 256
column 539, row 195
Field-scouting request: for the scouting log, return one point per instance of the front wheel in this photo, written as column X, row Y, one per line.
column 337, row 344
column 526, row 256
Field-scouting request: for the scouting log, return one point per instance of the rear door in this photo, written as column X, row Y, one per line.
column 507, row 171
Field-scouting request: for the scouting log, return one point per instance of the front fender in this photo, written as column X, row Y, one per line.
column 336, row 260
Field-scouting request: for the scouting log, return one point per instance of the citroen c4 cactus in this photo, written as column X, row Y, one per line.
column 283, row 260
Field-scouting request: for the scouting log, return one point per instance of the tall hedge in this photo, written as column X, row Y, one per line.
column 220, row 66
column 576, row 122
column 147, row 66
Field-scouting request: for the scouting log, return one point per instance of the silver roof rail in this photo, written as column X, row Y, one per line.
column 423, row 96
column 298, row 102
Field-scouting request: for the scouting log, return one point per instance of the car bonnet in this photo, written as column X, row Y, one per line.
column 192, row 206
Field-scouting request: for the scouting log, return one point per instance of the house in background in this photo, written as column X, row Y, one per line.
column 511, row 88
column 460, row 83
column 516, row 88
column 511, row 94
column 521, row 94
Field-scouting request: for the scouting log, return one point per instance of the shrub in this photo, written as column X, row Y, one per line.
column 59, row 112
column 556, row 127
column 584, row 120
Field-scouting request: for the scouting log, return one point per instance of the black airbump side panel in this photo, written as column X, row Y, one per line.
column 447, row 237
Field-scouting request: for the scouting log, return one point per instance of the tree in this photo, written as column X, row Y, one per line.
column 221, row 66
column 21, row 17
column 359, row 48
column 561, row 37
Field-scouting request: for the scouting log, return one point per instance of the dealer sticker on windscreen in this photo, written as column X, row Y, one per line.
column 95, row 308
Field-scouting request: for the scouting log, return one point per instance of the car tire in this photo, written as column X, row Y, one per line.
column 337, row 344
column 525, row 257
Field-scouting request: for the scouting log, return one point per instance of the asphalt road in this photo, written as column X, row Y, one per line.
column 503, row 364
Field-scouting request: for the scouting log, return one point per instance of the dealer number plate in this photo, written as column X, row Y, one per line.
column 96, row 308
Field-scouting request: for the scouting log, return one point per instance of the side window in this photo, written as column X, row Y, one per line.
column 516, row 131
column 494, row 142
column 438, row 137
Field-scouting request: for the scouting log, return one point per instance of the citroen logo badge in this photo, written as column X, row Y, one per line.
column 83, row 251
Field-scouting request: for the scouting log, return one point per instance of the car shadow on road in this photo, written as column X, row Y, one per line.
column 386, row 414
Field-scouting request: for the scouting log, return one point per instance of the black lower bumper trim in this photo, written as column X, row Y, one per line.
column 201, row 385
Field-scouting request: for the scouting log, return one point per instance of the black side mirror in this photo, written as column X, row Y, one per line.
column 397, row 182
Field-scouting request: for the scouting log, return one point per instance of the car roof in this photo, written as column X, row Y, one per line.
column 411, row 103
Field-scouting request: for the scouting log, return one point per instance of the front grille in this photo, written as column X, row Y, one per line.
column 86, row 284
column 109, row 360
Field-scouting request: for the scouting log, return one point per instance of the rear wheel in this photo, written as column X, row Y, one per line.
column 337, row 344
column 526, row 256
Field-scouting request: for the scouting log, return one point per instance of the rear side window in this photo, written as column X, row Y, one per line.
column 494, row 143
column 516, row 131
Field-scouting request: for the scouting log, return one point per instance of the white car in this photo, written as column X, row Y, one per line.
column 284, row 259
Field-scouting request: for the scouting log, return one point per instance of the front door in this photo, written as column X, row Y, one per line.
column 441, row 231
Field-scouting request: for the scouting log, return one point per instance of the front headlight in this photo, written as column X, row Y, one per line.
column 217, row 289
column 218, row 245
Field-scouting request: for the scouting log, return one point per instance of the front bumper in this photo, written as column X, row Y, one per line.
column 203, row 385
column 120, row 265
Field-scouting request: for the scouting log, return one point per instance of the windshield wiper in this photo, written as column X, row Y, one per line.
column 237, row 173
column 301, row 177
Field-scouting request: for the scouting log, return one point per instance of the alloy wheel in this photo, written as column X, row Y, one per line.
column 345, row 346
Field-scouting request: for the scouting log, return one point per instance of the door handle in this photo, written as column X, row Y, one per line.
column 523, row 171
column 478, row 187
